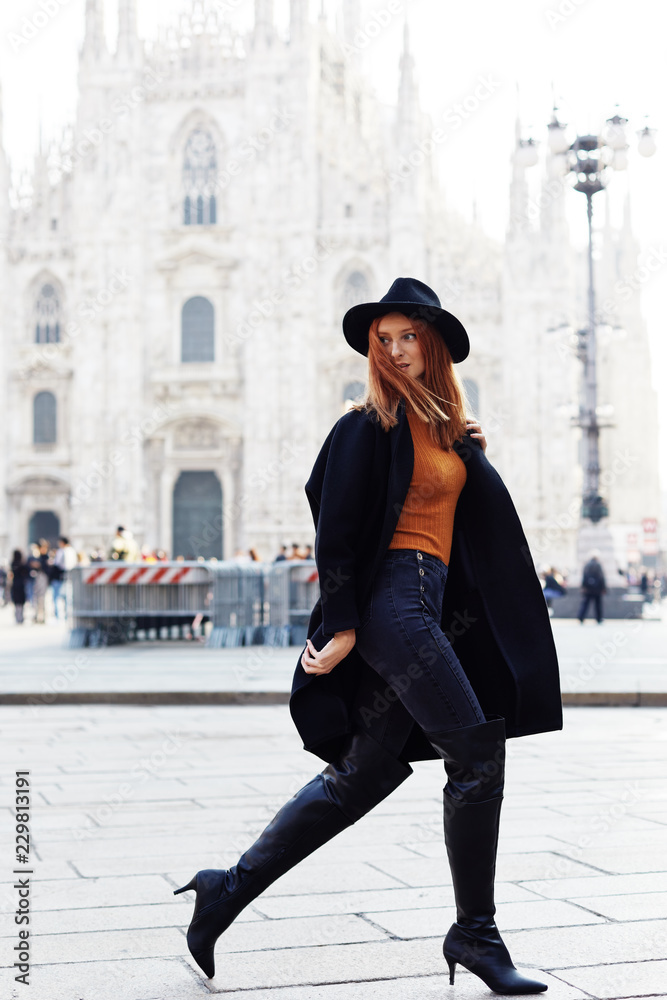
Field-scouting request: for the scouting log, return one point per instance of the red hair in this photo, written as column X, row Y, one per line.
column 438, row 397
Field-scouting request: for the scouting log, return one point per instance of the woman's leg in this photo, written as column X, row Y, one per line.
column 364, row 774
column 402, row 640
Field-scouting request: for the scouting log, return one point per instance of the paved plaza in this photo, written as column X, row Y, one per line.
column 130, row 800
column 620, row 661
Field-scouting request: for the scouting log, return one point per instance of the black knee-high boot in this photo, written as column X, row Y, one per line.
column 335, row 799
column 474, row 758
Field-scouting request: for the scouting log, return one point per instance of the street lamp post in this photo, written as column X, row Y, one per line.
column 589, row 160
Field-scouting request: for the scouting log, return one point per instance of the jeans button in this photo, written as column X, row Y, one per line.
column 421, row 572
column 419, row 555
column 421, row 588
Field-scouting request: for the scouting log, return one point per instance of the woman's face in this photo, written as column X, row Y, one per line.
column 398, row 338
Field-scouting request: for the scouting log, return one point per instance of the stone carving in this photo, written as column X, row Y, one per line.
column 197, row 435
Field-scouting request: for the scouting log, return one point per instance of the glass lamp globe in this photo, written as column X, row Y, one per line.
column 646, row 145
column 557, row 141
column 614, row 134
column 526, row 153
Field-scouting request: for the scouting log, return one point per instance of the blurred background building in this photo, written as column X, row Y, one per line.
column 177, row 266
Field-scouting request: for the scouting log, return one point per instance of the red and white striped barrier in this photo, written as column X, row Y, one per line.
column 151, row 573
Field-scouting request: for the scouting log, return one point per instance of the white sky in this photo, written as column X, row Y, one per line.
column 597, row 54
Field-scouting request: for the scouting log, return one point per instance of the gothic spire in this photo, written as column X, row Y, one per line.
column 298, row 18
column 94, row 44
column 4, row 176
column 408, row 100
column 127, row 30
column 519, row 220
column 351, row 20
column 264, row 24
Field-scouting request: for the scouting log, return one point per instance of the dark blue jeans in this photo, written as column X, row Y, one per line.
column 415, row 675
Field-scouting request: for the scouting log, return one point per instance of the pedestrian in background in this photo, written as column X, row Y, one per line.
column 42, row 566
column 593, row 586
column 19, row 574
column 64, row 560
column 553, row 586
column 378, row 684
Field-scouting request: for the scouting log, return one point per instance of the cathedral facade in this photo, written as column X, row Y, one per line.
column 174, row 280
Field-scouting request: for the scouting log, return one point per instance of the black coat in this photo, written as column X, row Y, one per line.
column 20, row 574
column 494, row 612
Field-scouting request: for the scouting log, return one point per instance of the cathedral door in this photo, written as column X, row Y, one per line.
column 44, row 524
column 197, row 517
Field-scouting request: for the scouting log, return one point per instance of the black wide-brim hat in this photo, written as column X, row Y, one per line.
column 416, row 301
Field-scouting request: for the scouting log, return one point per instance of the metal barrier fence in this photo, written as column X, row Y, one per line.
column 113, row 602
column 263, row 604
column 249, row 604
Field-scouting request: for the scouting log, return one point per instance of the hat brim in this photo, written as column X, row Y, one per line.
column 357, row 320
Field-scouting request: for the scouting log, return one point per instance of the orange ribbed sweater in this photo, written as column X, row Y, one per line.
column 438, row 476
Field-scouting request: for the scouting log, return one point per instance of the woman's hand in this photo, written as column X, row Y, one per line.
column 472, row 425
column 324, row 660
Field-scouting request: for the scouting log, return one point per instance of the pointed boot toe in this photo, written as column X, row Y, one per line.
column 483, row 952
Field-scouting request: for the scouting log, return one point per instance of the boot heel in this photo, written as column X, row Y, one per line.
column 451, row 962
column 192, row 884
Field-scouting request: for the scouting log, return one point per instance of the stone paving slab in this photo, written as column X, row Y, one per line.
column 622, row 979
column 419, row 988
column 639, row 941
column 128, row 917
column 630, row 906
column 435, row 922
column 129, row 979
column 601, row 885
column 372, row 901
column 352, row 920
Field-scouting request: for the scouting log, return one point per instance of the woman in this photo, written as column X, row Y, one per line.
column 404, row 500
column 19, row 570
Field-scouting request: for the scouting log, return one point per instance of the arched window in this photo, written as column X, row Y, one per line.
column 472, row 392
column 199, row 179
column 47, row 316
column 44, row 418
column 197, row 328
column 355, row 290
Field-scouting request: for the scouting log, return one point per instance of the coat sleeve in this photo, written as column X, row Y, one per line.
column 345, row 488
